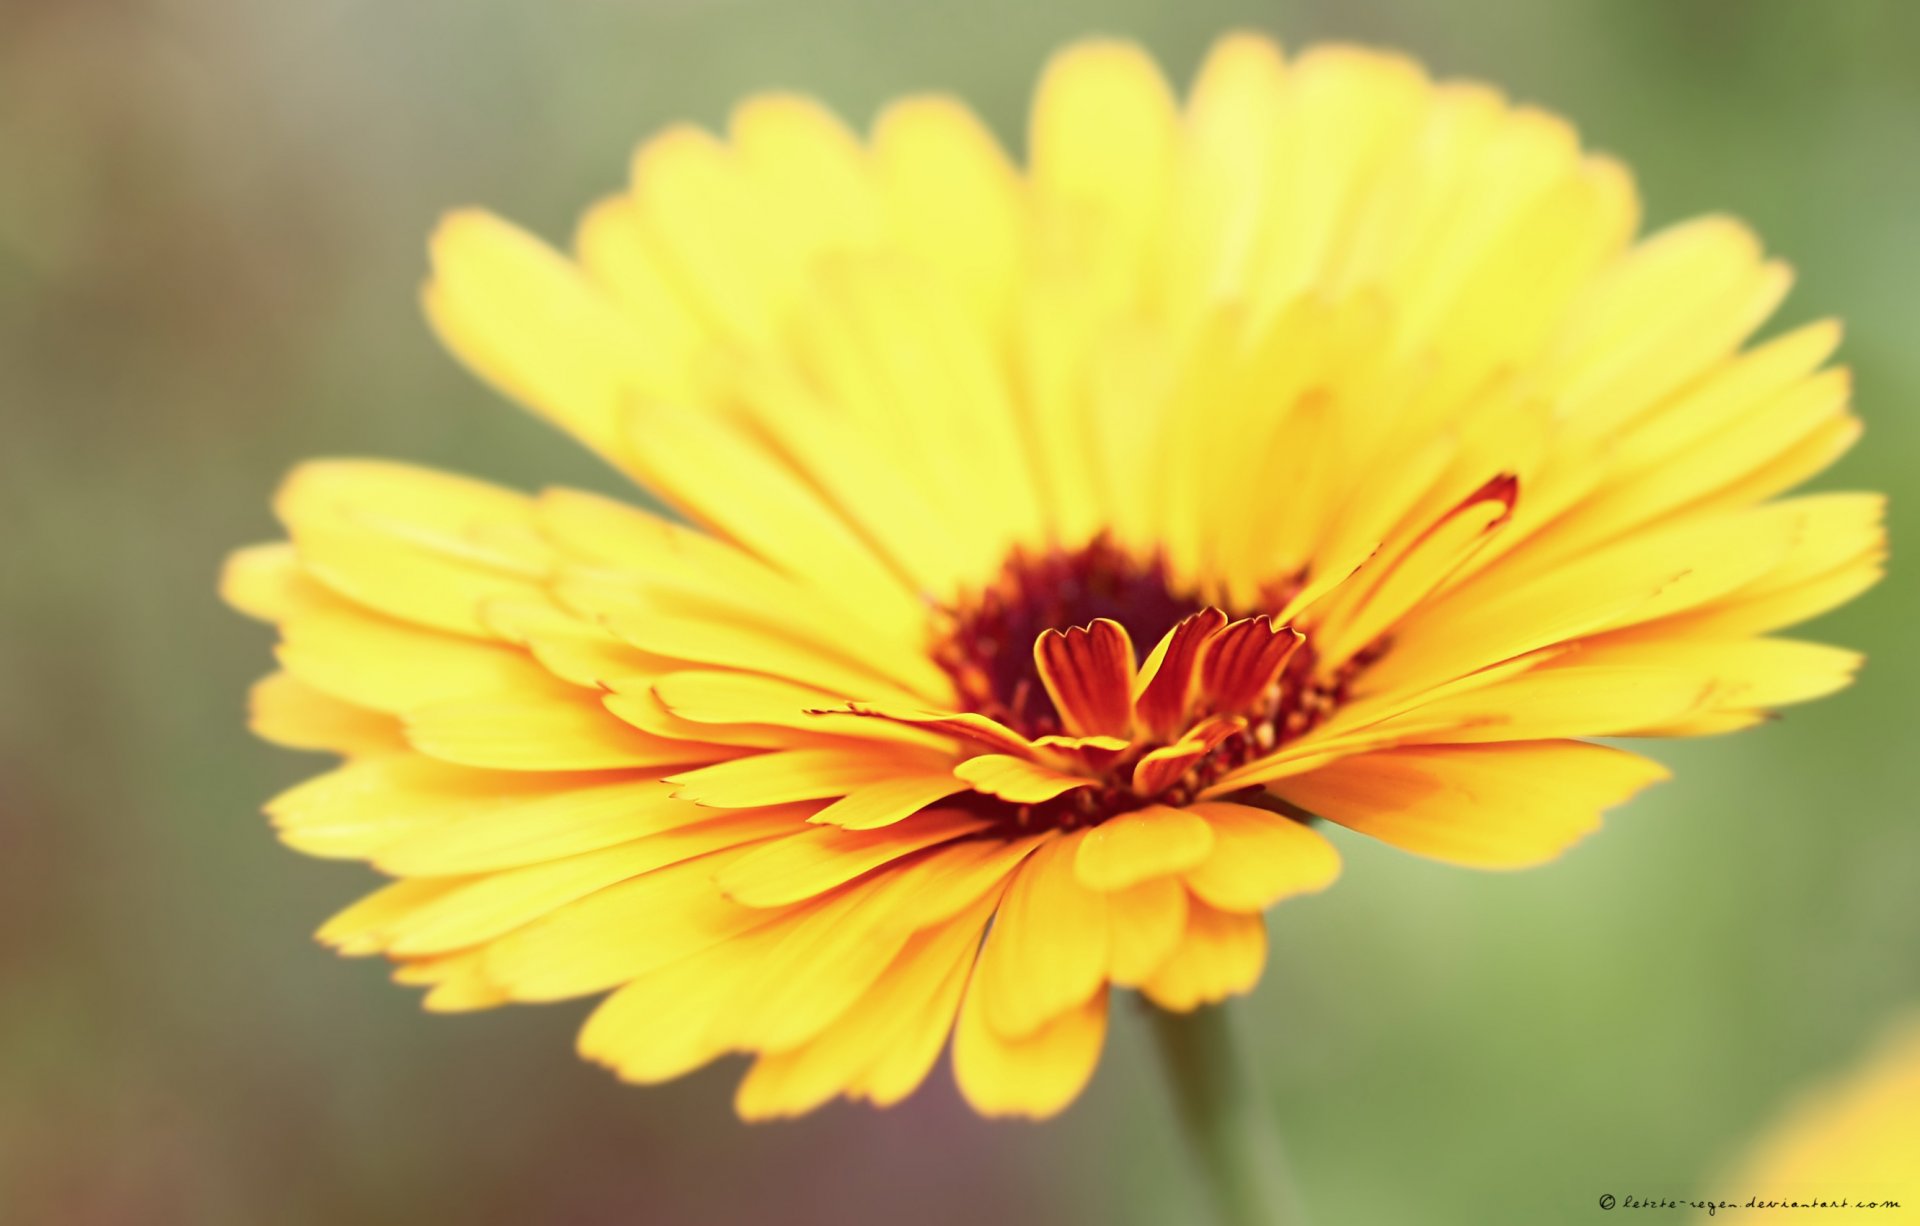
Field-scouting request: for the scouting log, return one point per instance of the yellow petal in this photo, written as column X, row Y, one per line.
column 388, row 665
column 1224, row 176
column 287, row 711
column 1156, row 841
column 499, row 829
column 420, row 546
column 1259, row 858
column 1034, row 1076
column 896, row 1029
column 372, row 803
column 697, row 206
column 789, row 775
column 952, row 197
column 723, row 479
column 523, row 317
column 1850, row 1138
column 793, row 150
column 1048, row 949
column 821, row 857
column 1591, row 696
column 1221, row 954
column 1145, row 923
column 889, row 801
column 361, row 929
column 1017, row 780
column 497, row 903
column 671, row 1020
column 1101, row 141
column 1484, row 806
column 561, row 732
column 264, row 581
column 1730, row 673
column 622, row 932
column 723, row 698
column 458, row 981
column 829, row 954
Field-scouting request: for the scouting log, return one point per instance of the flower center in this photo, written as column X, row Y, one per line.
column 1049, row 649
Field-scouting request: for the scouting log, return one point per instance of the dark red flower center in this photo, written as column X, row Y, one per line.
column 987, row 645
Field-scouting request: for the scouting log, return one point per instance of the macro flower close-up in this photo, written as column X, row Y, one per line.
column 1056, row 547
column 844, row 612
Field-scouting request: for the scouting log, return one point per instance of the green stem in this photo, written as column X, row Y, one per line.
column 1226, row 1119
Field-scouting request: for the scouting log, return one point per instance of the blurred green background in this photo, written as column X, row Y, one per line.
column 211, row 232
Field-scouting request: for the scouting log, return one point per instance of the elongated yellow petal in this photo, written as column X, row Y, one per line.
column 498, row 902
column 288, row 711
column 623, row 932
column 1048, row 949
column 789, row 775
column 819, row 858
column 1484, row 806
column 889, row 801
column 891, row 1036
column 571, row 731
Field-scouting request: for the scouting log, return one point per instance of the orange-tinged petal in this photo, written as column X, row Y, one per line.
column 1156, row 841
column 1387, row 586
column 1162, row 768
column 1484, row 806
column 1258, row 858
column 1017, row 780
column 1088, row 672
column 966, row 726
column 1167, row 680
column 1034, row 1075
column 932, row 886
column 1221, row 954
column 1238, row 664
column 889, row 801
column 1145, row 923
column 715, row 697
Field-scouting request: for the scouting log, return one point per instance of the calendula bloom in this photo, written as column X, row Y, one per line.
column 1062, row 539
column 1845, row 1146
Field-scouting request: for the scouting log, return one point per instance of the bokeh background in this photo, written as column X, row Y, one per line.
column 212, row 216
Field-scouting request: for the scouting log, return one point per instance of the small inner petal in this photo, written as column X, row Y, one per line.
column 1046, row 653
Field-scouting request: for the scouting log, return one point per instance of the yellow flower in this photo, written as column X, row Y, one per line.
column 1850, row 1140
column 1325, row 444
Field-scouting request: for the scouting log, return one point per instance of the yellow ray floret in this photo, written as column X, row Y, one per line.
column 1052, row 551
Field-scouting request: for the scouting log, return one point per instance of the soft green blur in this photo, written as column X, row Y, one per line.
column 211, row 225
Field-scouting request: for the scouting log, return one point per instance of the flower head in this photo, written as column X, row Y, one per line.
column 1843, row 1145
column 1056, row 545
